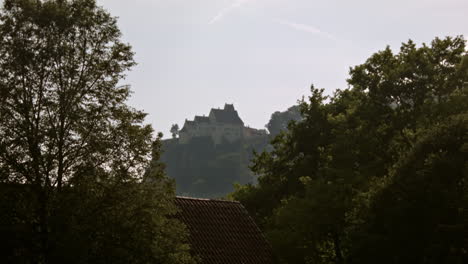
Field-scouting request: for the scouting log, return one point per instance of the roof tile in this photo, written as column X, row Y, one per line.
column 222, row 232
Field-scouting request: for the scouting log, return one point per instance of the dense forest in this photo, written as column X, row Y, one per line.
column 375, row 173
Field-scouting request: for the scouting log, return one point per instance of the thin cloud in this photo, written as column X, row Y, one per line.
column 227, row 10
column 306, row 28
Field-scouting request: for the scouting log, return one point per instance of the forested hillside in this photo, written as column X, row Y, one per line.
column 203, row 169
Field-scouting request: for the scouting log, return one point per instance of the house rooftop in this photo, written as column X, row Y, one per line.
column 222, row 232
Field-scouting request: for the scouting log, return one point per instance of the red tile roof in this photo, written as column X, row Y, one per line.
column 222, row 232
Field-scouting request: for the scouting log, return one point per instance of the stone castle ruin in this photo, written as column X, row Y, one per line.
column 220, row 124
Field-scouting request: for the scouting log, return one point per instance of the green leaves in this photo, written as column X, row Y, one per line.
column 418, row 212
column 328, row 192
column 75, row 149
column 61, row 63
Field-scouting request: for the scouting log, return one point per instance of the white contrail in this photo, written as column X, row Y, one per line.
column 226, row 10
column 306, row 28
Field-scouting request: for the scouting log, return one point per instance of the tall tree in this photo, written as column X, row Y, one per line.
column 320, row 168
column 64, row 125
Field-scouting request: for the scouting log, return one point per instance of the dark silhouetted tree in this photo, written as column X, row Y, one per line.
column 175, row 130
column 322, row 172
column 419, row 212
column 73, row 145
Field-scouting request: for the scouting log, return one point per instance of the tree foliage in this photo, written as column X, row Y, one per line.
column 279, row 120
column 203, row 169
column 418, row 213
column 328, row 181
column 175, row 130
column 72, row 152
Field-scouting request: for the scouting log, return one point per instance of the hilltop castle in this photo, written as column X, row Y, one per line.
column 219, row 124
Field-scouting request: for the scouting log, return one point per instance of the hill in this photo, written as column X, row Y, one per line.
column 213, row 152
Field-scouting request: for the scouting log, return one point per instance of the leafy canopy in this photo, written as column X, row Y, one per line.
column 73, row 147
column 320, row 189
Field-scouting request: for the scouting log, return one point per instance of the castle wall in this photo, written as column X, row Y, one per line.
column 229, row 131
column 228, row 126
column 184, row 137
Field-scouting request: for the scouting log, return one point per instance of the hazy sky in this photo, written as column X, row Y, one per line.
column 262, row 55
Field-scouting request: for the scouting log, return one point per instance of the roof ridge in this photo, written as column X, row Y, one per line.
column 206, row 199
